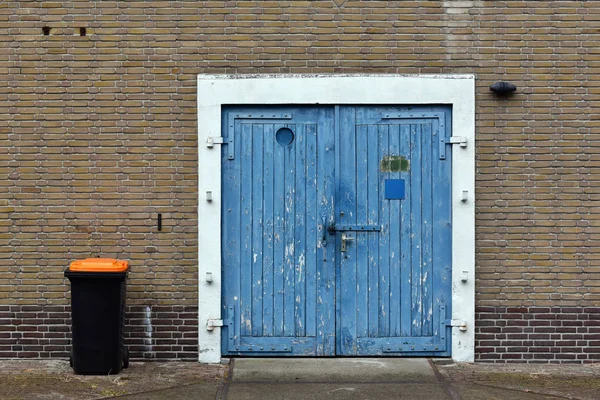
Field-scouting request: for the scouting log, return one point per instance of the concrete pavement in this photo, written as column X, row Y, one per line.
column 333, row 379
column 346, row 378
column 289, row 378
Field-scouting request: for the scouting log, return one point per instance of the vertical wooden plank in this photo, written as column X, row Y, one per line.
column 384, row 243
column 374, row 199
column 268, row 236
column 347, row 215
column 427, row 234
column 336, row 212
column 394, row 238
column 442, row 224
column 416, row 231
column 231, row 213
column 289, row 236
column 257, row 228
column 300, row 233
column 362, row 249
column 279, row 169
column 246, row 229
column 405, row 236
column 327, row 277
column 312, row 222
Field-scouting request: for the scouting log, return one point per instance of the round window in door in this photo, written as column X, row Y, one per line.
column 284, row 136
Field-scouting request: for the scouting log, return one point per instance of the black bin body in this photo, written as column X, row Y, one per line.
column 97, row 312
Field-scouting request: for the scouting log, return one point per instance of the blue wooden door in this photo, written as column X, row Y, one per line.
column 278, row 264
column 393, row 226
column 336, row 231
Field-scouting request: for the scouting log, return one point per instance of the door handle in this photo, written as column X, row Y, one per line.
column 345, row 239
column 324, row 228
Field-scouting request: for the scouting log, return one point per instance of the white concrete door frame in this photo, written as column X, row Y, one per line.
column 214, row 91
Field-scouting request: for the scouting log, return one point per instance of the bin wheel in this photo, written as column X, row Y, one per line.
column 125, row 358
column 71, row 358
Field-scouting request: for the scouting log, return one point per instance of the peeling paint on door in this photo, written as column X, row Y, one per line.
column 291, row 284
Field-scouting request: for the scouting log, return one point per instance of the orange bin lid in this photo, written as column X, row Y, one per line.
column 99, row 265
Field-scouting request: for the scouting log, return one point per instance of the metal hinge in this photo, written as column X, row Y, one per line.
column 460, row 140
column 211, row 324
column 458, row 323
column 212, row 140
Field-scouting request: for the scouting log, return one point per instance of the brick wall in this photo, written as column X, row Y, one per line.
column 98, row 136
column 538, row 334
column 159, row 332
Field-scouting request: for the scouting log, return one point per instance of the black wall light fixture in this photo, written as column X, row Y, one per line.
column 503, row 88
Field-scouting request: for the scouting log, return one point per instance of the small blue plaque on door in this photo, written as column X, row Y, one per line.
column 394, row 189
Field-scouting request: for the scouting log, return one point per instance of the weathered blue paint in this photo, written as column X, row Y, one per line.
column 325, row 204
column 288, row 287
column 413, row 247
column 277, row 275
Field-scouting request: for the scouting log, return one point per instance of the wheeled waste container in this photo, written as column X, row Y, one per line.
column 98, row 289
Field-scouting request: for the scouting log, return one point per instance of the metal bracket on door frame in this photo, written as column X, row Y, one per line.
column 412, row 348
column 212, row 140
column 211, row 324
column 456, row 323
column 270, row 115
column 358, row 228
column 460, row 140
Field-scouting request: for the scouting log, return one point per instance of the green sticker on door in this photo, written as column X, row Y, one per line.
column 394, row 164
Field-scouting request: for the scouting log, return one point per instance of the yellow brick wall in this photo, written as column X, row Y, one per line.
column 98, row 133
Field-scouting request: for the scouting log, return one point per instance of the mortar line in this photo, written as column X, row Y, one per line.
column 445, row 384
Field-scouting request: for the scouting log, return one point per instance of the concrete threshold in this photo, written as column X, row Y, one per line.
column 333, row 370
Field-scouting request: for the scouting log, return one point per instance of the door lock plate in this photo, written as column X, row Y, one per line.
column 345, row 240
